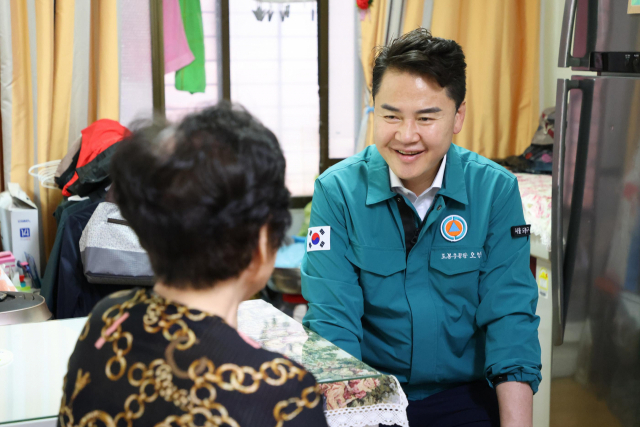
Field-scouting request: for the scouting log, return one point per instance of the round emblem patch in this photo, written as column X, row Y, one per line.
column 453, row 228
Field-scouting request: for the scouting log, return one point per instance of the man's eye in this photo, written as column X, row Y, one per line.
column 424, row 119
column 390, row 117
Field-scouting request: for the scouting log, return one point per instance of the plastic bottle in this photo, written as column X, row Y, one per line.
column 29, row 285
column 32, row 284
column 23, row 284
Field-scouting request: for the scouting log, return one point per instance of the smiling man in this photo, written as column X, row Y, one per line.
column 418, row 254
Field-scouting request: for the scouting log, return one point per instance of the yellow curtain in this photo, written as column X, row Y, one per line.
column 49, row 137
column 40, row 126
column 373, row 29
column 412, row 15
column 47, row 58
column 54, row 96
column 22, row 131
column 501, row 44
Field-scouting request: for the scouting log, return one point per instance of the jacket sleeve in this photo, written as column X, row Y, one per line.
column 509, row 296
column 330, row 283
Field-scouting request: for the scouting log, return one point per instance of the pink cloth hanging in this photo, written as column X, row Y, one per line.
column 176, row 49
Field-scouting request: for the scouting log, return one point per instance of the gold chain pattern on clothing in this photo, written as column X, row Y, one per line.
column 85, row 330
column 109, row 317
column 156, row 379
column 298, row 403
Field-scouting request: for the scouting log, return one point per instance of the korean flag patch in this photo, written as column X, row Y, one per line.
column 319, row 238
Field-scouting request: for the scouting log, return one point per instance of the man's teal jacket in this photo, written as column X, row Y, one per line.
column 459, row 308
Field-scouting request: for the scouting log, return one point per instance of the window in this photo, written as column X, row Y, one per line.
column 274, row 75
column 272, row 71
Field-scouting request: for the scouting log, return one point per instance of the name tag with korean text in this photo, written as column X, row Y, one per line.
column 521, row 230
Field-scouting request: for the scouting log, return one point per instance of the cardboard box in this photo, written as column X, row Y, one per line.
column 19, row 230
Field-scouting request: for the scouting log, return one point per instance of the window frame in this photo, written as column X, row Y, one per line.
column 157, row 61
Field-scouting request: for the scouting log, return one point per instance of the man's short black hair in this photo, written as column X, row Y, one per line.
column 420, row 53
column 198, row 194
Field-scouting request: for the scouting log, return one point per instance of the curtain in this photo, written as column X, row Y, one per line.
column 414, row 10
column 501, row 44
column 373, row 32
column 43, row 55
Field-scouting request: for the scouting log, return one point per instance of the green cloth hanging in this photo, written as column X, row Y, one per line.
column 192, row 78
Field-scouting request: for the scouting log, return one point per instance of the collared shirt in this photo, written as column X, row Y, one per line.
column 423, row 202
column 459, row 307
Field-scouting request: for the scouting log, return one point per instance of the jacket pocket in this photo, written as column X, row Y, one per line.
column 456, row 261
column 455, row 282
column 386, row 321
column 379, row 261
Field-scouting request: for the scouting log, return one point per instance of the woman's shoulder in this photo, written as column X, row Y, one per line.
column 135, row 333
column 119, row 302
column 230, row 344
column 275, row 384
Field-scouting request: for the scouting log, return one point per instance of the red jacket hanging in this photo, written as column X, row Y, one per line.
column 96, row 138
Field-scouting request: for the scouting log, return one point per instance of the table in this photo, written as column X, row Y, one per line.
column 356, row 395
column 31, row 384
column 37, row 354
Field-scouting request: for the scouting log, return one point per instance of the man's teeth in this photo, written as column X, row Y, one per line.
column 409, row 153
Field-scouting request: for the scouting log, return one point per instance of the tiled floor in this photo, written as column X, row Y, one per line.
column 573, row 406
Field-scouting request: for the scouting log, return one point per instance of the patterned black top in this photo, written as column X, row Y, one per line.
column 143, row 361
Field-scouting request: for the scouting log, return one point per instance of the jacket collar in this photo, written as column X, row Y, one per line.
column 379, row 184
column 453, row 185
column 379, row 188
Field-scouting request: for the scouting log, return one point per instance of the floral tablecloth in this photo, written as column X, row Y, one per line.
column 535, row 191
column 356, row 395
column 365, row 402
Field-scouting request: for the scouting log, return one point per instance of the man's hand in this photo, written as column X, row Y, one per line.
column 515, row 400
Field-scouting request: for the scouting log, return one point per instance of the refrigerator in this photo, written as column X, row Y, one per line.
column 596, row 218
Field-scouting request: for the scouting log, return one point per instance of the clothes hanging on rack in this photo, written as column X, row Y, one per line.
column 177, row 53
column 67, row 165
column 50, row 278
column 96, row 138
column 192, row 78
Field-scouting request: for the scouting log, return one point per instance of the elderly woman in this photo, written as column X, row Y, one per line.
column 208, row 203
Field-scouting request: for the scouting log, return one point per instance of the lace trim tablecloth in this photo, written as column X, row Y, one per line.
column 365, row 402
column 535, row 191
column 355, row 395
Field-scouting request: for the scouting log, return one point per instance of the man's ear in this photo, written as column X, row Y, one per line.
column 459, row 118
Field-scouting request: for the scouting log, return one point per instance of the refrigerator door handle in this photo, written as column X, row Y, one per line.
column 566, row 35
column 557, row 232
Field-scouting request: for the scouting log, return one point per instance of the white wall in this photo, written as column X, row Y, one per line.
column 345, row 79
column 136, row 81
